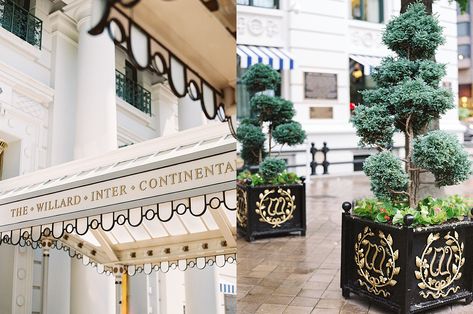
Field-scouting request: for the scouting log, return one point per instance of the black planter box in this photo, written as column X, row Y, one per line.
column 270, row 210
column 406, row 269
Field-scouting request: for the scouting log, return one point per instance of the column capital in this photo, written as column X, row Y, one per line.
column 84, row 10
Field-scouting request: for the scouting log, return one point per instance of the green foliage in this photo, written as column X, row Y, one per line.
column 414, row 34
column 463, row 113
column 250, row 135
column 394, row 70
column 260, row 77
column 252, row 138
column 387, row 175
column 407, row 99
column 443, row 155
column 374, row 126
column 290, row 133
column 272, row 109
column 282, row 178
column 273, row 114
column 271, row 167
column 429, row 211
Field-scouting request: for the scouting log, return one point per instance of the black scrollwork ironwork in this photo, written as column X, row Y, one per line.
column 183, row 79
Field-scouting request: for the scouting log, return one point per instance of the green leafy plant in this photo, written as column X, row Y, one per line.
column 429, row 211
column 274, row 116
column 255, row 179
column 407, row 99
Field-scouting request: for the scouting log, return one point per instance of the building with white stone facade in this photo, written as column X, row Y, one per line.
column 328, row 40
column 66, row 95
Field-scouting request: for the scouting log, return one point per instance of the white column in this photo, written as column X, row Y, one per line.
column 95, row 133
column 201, row 292
column 165, row 107
column 190, row 113
column 96, row 113
column 172, row 292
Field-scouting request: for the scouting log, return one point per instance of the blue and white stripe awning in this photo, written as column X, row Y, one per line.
column 278, row 58
column 228, row 288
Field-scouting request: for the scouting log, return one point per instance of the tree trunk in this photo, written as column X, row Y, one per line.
column 427, row 3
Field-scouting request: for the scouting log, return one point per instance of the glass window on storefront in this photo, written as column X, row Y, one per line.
column 269, row 4
column 358, row 81
column 464, row 52
column 463, row 29
column 243, row 96
column 368, row 10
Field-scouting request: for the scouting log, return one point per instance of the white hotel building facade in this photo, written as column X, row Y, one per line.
column 325, row 40
column 66, row 95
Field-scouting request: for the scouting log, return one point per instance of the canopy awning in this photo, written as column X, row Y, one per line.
column 368, row 62
column 165, row 203
column 277, row 58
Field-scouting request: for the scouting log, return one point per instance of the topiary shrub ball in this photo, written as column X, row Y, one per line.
column 442, row 154
column 387, row 175
column 290, row 133
column 414, row 33
column 250, row 135
column 261, row 77
column 271, row 167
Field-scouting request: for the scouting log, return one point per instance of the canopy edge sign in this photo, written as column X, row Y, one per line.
column 104, row 196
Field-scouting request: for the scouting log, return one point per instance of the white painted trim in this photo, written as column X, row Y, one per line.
column 26, row 85
column 21, row 46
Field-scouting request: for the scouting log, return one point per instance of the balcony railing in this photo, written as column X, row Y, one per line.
column 20, row 22
column 133, row 93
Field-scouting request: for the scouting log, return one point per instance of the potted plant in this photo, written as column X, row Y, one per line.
column 271, row 200
column 398, row 250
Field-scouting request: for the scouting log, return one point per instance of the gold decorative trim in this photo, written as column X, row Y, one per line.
column 376, row 261
column 242, row 208
column 439, row 266
column 276, row 210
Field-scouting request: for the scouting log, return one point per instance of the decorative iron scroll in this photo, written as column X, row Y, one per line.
column 376, row 261
column 183, row 80
column 242, row 212
column 134, row 217
column 276, row 210
column 164, row 266
column 439, row 265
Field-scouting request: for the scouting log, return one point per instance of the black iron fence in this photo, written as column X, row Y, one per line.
column 20, row 22
column 357, row 160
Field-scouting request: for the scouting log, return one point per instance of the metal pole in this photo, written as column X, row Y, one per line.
column 44, row 287
column 118, row 292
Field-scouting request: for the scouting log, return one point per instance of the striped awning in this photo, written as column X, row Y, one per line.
column 278, row 58
column 368, row 62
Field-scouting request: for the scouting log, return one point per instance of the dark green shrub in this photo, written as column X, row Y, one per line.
column 261, row 77
column 271, row 167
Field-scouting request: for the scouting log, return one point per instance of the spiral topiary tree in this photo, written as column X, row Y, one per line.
column 407, row 99
column 271, row 115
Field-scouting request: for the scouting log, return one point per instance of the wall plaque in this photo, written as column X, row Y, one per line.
column 321, row 112
column 320, row 85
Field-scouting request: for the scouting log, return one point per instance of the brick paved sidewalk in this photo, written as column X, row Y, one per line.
column 302, row 275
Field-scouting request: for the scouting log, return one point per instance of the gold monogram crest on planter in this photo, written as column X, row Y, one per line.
column 439, row 266
column 242, row 211
column 276, row 209
column 376, row 261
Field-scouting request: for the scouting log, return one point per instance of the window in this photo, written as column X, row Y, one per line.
column 128, row 89
column 464, row 52
column 368, row 10
column 15, row 18
column 463, row 29
column 269, row 4
column 358, row 81
column 243, row 96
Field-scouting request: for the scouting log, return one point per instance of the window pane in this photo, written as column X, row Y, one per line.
column 463, row 29
column 264, row 3
column 368, row 10
column 463, row 51
column 243, row 2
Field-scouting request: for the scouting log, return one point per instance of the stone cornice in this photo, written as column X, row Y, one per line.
column 61, row 22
